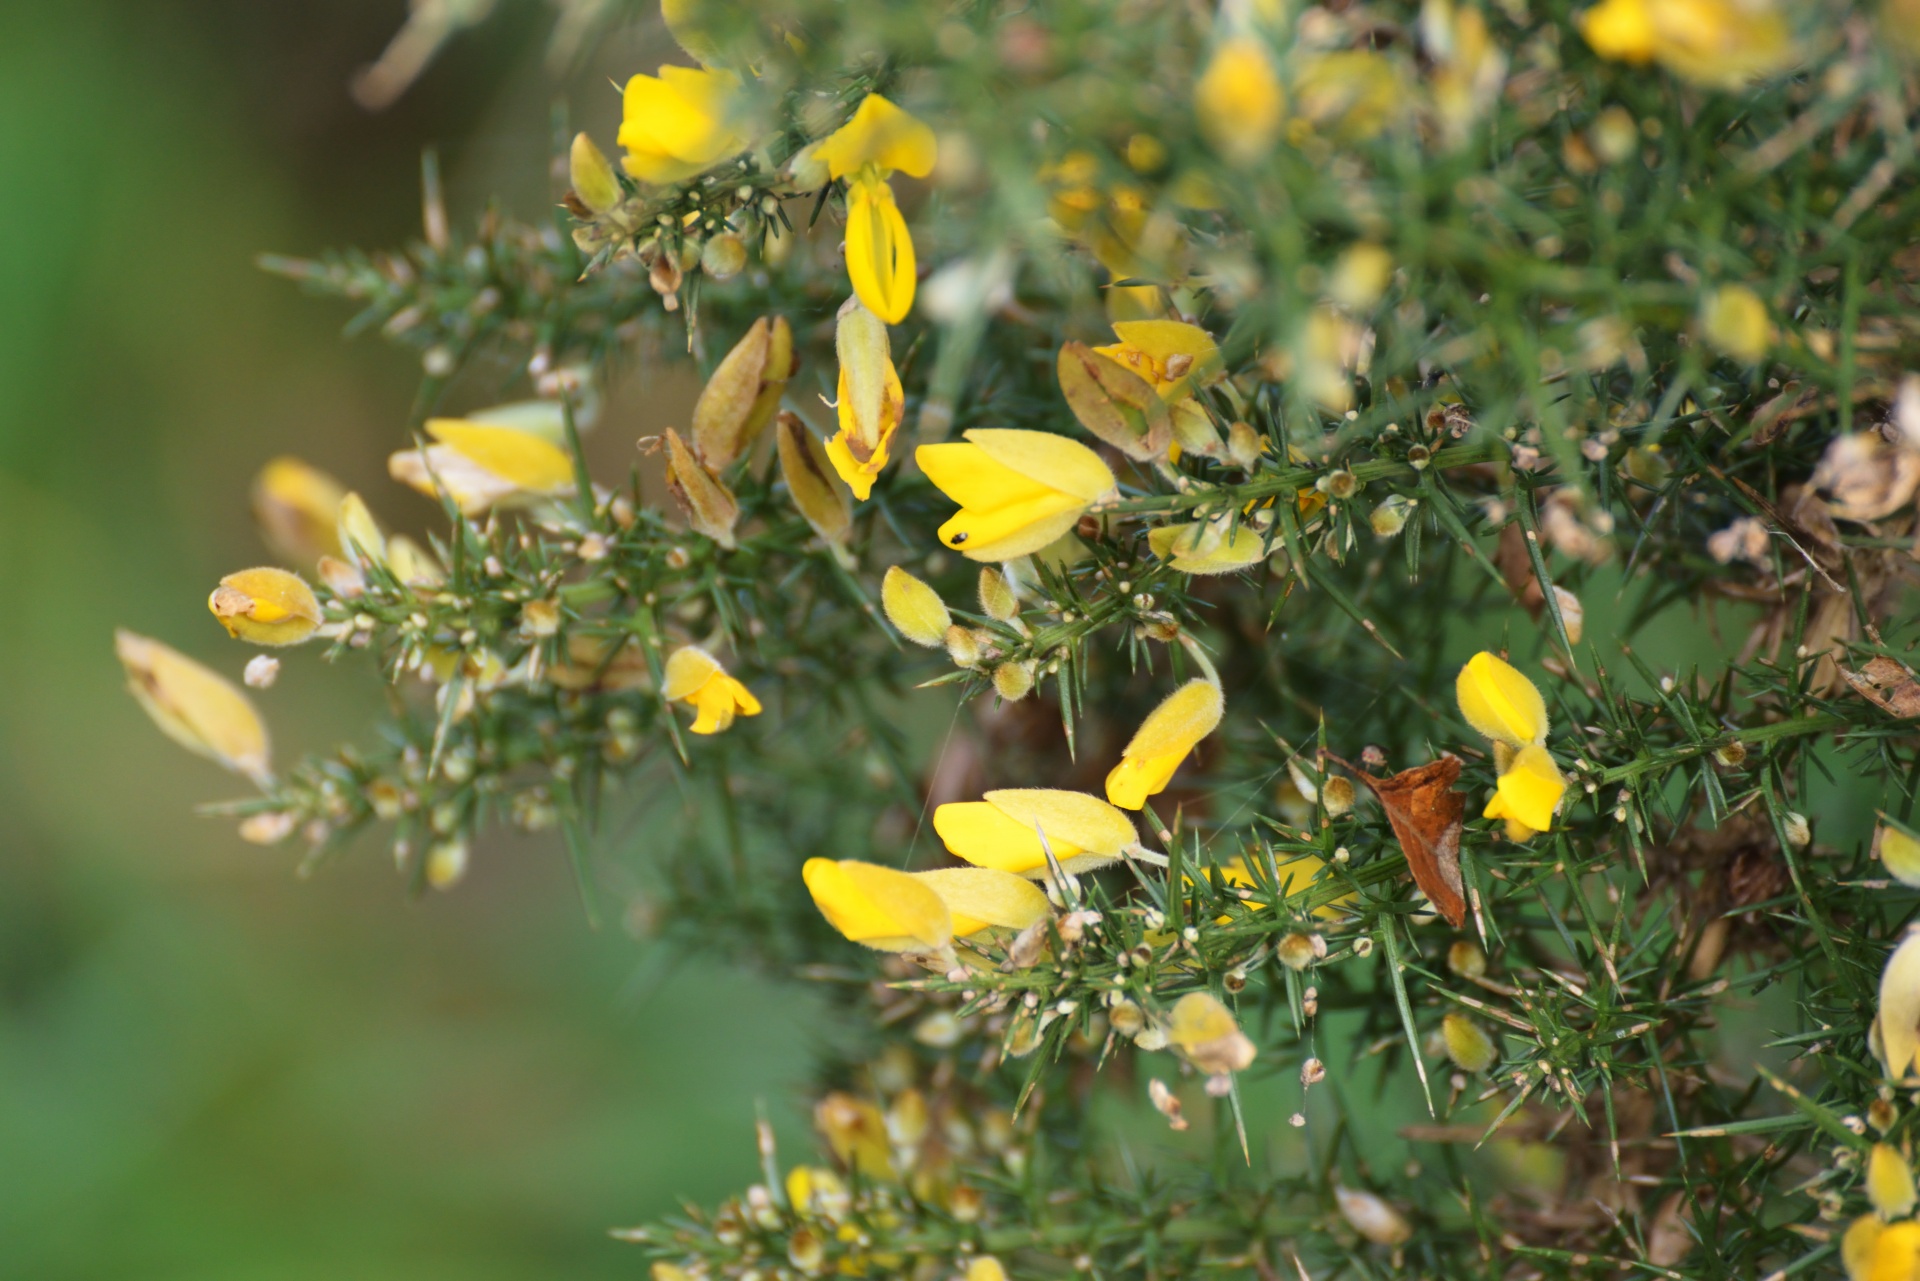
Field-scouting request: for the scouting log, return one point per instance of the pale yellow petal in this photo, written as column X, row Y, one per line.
column 1054, row 461
column 688, row 668
column 524, row 460
column 979, row 898
column 195, row 706
column 1071, row 820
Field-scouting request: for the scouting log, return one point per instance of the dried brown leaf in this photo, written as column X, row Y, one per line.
column 1426, row 814
column 1888, row 685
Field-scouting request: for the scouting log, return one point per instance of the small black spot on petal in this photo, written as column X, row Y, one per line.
column 959, row 538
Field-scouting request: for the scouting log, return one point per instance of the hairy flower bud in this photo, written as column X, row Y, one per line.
column 1390, row 517
column 1243, row 445
column 1468, row 1044
column 1371, row 1217
column 1013, row 681
column 266, row 606
column 709, row 506
column 997, row 600
column 915, row 609
column 723, row 256
column 963, row 646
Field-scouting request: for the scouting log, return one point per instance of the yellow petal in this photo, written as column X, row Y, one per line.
column 979, row 898
column 1899, row 852
column 1204, row 547
column 677, row 124
column 880, row 260
column 520, row 458
column 1072, row 819
column 877, row 906
column 1018, row 490
column 915, row 609
column 1896, row 1253
column 1735, row 320
column 1136, row 778
column 882, row 135
column 592, row 176
column 1890, row 1182
column 1163, row 740
column 1620, row 29
column 298, row 507
column 688, row 668
column 1053, row 461
column 266, row 606
column 1501, row 703
column 1007, row 532
column 986, row 836
column 1899, row 1017
column 360, row 534
column 1857, row 1246
column 969, row 476
column 1530, row 789
column 1239, row 100
column 195, row 706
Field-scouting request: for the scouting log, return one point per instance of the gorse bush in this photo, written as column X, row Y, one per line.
column 1360, row 548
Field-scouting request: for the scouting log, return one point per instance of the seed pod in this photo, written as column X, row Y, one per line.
column 1468, row 1044
column 266, row 606
column 819, row 495
column 709, row 507
column 997, row 600
column 1114, row 403
column 745, row 390
column 915, row 609
column 594, row 183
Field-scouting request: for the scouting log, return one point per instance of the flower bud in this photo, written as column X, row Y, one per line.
column 360, row 537
column 1731, row 755
column 195, row 706
column 1205, row 1033
column 261, row 672
column 997, row 600
column 1390, row 517
column 963, row 647
column 866, row 361
column 1371, row 1217
column 298, row 508
column 540, row 617
column 1468, row 1044
column 817, row 493
column 745, row 390
column 592, row 176
column 915, row 609
column 267, row 829
column 1466, row 959
column 1572, row 616
column 1799, row 831
column 447, row 864
column 806, row 171
column 1899, row 852
column 266, row 606
column 1013, row 681
column 724, row 256
column 1296, row 951
column 709, row 508
column 1735, row 320
column 1239, row 101
column 986, row 1268
column 1114, row 403
column 1337, row 795
column 1243, row 445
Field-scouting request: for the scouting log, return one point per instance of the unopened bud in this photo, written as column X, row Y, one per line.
column 261, row 672
column 709, row 508
column 1390, row 517
column 1731, row 755
column 1337, row 795
column 806, row 171
column 723, row 256
column 963, row 647
column 1296, row 951
column 1466, row 959
column 1572, row 616
column 820, row 496
column 997, row 600
column 745, row 390
column 446, row 864
column 1338, row 484
column 592, row 176
column 267, row 829
column 1799, row 833
column 1243, row 446
column 915, row 609
column 1013, row 681
column 1468, row 1044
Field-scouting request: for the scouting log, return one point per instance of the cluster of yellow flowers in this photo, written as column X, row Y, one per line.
column 1505, row 706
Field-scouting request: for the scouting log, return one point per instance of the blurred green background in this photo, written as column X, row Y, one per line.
column 208, row 1068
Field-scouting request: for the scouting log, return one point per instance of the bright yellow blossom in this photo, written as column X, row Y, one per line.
column 1163, row 740
column 1873, row 1250
column 1895, row 1038
column 680, row 123
column 879, row 139
column 481, row 465
column 984, row 898
column 884, row 909
column 870, row 404
column 1500, row 702
column 1529, row 792
column 1018, row 490
column 1172, row 355
column 1890, row 1182
column 1239, row 100
column 696, row 678
column 266, row 606
column 195, row 706
column 298, row 507
column 1723, row 44
column 1005, row 830
column 1295, row 876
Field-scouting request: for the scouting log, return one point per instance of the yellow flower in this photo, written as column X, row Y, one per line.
column 696, row 678
column 870, row 400
column 1530, row 789
column 1896, row 1027
column 480, row 465
column 877, row 140
column 1724, row 44
column 1735, row 320
column 680, row 123
column 915, row 609
column 877, row 906
column 1208, row 547
column 1004, row 829
column 1018, row 490
column 266, row 606
column 360, row 534
column 1172, row 355
column 983, row 898
column 857, row 1132
column 195, row 706
column 298, row 507
column 1890, row 1182
column 1501, row 703
column 1205, row 1033
column 1899, row 852
column 1163, row 740
column 1239, row 100
column 1877, row 1251
column 1295, row 876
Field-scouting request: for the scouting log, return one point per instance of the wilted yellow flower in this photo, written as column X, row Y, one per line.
column 1896, row 1027
column 884, row 909
column 1205, row 1033
column 1239, row 100
column 1874, row 1250
column 870, row 400
column 480, row 465
column 877, row 140
column 1724, row 44
column 741, row 397
column 1735, row 320
column 709, row 506
column 1529, row 791
column 1899, row 853
column 1500, row 702
column 1171, row 354
column 1018, row 490
column 1163, row 740
column 696, row 678
column 1355, row 93
column 298, row 507
column 195, row 706
column 1005, row 828
column 1890, row 1182
column 594, row 182
column 266, row 606
column 809, row 474
column 915, row 609
column 1217, row 546
column 680, row 123
column 983, row 898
